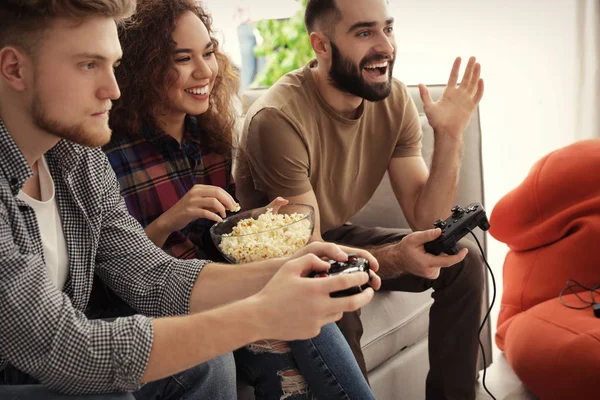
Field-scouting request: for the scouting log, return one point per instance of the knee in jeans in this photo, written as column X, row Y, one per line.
column 218, row 372
column 474, row 269
column 208, row 380
column 223, row 369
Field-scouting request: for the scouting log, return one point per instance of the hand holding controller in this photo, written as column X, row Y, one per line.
column 456, row 226
column 353, row 265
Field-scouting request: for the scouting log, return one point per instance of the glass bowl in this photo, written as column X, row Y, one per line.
column 295, row 225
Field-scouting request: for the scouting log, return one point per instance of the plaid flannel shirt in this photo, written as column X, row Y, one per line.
column 43, row 331
column 155, row 172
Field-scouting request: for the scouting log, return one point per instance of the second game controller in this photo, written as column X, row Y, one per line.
column 456, row 226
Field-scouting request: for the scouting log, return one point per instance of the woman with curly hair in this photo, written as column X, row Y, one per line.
column 171, row 151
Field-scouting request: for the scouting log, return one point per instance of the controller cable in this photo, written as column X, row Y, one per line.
column 487, row 314
column 571, row 285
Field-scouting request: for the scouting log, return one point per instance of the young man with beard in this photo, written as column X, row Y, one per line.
column 62, row 220
column 327, row 133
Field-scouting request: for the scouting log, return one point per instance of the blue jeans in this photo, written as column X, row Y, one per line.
column 326, row 363
column 214, row 379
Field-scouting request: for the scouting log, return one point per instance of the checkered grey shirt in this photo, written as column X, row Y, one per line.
column 43, row 331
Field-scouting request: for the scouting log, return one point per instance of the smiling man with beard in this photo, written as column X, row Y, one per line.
column 327, row 133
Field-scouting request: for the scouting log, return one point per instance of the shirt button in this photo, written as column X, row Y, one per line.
column 14, row 181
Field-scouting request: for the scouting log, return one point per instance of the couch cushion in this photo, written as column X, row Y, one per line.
column 392, row 322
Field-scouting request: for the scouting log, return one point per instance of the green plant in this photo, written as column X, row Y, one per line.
column 286, row 46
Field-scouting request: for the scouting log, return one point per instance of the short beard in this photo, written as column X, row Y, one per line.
column 346, row 77
column 77, row 133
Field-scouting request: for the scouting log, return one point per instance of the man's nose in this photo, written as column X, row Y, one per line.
column 110, row 88
column 386, row 45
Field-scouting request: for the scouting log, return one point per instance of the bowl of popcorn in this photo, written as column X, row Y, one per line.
column 264, row 233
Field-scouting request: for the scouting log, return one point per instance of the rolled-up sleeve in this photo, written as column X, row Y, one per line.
column 42, row 334
column 147, row 278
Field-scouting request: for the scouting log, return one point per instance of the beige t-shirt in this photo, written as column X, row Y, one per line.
column 293, row 141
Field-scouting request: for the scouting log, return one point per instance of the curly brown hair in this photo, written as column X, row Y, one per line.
column 147, row 62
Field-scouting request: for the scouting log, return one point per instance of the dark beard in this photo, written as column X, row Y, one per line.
column 77, row 133
column 346, row 77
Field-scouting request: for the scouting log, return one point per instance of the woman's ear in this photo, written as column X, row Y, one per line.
column 12, row 66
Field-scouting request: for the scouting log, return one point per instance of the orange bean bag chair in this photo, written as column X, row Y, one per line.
column 551, row 224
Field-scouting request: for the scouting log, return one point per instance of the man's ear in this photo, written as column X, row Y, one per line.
column 320, row 44
column 12, row 67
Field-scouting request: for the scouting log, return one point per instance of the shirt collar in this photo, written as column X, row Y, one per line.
column 66, row 154
column 192, row 130
column 15, row 168
column 191, row 133
column 13, row 164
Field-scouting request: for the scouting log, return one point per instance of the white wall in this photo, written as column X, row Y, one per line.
column 528, row 51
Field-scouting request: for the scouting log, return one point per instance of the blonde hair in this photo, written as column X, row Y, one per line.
column 22, row 22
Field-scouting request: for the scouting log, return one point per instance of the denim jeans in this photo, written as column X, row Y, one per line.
column 214, row 379
column 329, row 370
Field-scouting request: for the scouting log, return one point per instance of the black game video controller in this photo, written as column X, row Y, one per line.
column 456, row 226
column 354, row 264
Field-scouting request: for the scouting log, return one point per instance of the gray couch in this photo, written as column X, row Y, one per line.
column 396, row 323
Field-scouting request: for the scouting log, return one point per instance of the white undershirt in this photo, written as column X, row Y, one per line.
column 50, row 225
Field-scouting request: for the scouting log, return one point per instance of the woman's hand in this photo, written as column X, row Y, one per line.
column 201, row 201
